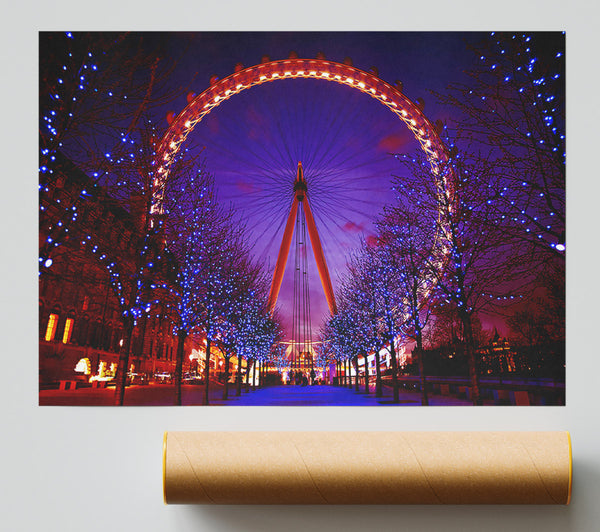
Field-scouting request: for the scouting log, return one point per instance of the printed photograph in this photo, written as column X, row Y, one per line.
column 302, row 218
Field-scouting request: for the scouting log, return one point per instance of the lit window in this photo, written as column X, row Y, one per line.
column 68, row 330
column 86, row 303
column 51, row 328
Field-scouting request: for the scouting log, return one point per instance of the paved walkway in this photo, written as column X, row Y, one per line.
column 334, row 396
column 161, row 394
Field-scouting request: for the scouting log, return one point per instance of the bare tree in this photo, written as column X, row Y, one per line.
column 94, row 91
column 188, row 219
column 475, row 264
column 514, row 109
column 411, row 248
column 361, row 299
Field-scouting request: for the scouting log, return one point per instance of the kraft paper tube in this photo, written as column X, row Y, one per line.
column 367, row 467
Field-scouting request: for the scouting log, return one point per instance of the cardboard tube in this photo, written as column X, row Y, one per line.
column 367, row 467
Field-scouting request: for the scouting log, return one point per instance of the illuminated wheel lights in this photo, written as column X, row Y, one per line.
column 243, row 79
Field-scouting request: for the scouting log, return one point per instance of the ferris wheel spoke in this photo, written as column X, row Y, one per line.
column 254, row 142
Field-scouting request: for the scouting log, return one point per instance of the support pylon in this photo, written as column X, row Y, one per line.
column 300, row 195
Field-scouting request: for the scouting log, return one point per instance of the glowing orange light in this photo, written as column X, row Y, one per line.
column 67, row 332
column 83, row 366
column 51, row 328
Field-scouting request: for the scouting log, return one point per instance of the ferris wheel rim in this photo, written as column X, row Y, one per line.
column 221, row 90
column 292, row 68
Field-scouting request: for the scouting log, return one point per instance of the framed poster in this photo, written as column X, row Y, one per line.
column 219, row 226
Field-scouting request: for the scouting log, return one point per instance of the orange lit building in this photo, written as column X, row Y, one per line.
column 498, row 357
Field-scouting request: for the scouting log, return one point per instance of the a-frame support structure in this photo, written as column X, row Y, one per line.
column 300, row 195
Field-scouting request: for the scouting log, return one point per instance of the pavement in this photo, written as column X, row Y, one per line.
column 163, row 395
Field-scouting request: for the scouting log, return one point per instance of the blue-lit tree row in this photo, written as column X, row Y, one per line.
column 218, row 291
column 188, row 263
column 483, row 231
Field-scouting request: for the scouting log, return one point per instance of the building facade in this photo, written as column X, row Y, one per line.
column 82, row 233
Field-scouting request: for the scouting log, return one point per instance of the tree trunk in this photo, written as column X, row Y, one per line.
column 470, row 353
column 248, row 373
column 254, row 375
column 378, row 384
column 420, row 353
column 121, row 377
column 238, row 391
column 349, row 380
column 207, row 371
column 394, row 370
column 181, row 336
column 366, row 373
column 356, row 374
column 226, row 383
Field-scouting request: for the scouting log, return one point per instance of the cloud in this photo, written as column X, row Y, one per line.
column 351, row 227
column 393, row 143
column 247, row 188
column 371, row 241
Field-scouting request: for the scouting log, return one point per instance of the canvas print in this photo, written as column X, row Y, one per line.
column 302, row 218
